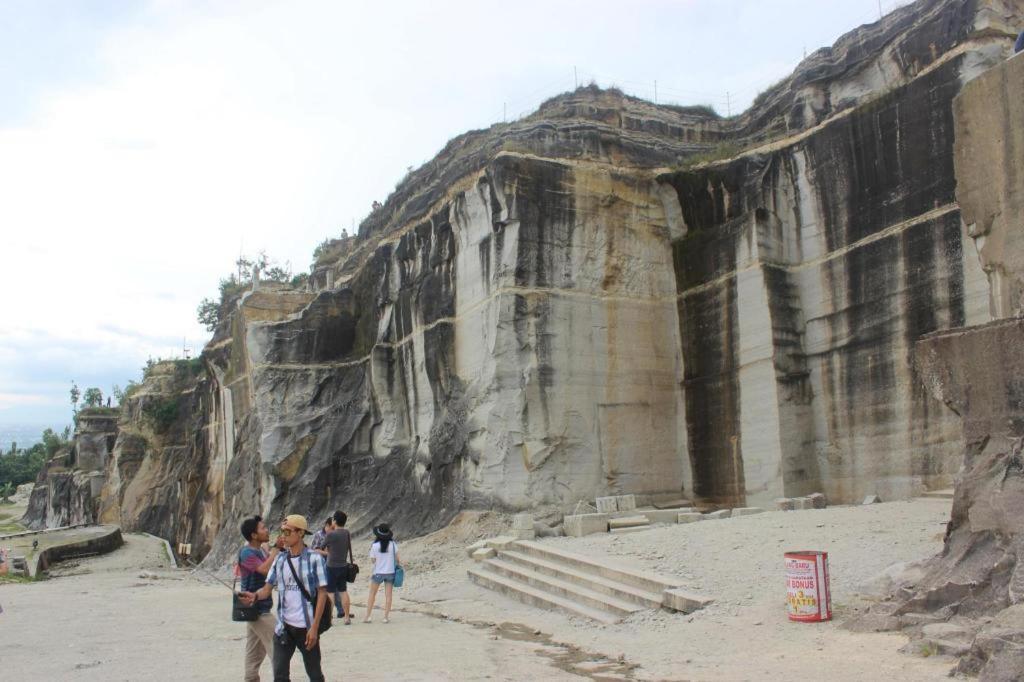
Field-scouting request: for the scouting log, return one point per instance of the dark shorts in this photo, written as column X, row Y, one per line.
column 336, row 578
column 380, row 578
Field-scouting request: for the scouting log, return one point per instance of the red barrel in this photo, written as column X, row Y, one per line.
column 807, row 592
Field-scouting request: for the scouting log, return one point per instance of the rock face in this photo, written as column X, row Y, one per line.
column 978, row 580
column 570, row 306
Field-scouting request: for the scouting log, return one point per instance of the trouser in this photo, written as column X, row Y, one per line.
column 284, row 648
column 259, row 642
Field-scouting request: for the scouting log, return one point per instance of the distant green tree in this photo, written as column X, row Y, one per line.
column 22, row 466
column 208, row 314
column 93, row 397
column 75, row 395
column 6, row 490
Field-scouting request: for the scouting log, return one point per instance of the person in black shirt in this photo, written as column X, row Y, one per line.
column 338, row 550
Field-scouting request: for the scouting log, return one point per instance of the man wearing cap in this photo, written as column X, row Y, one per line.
column 297, row 621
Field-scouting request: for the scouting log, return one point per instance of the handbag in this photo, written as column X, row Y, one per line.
column 399, row 576
column 325, row 619
column 239, row 611
column 352, row 566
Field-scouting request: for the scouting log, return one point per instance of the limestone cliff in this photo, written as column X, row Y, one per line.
column 973, row 592
column 570, row 305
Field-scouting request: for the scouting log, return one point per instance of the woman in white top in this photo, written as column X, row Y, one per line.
column 384, row 554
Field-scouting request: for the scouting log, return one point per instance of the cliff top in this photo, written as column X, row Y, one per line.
column 608, row 126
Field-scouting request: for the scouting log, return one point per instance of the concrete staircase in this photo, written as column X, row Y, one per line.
column 544, row 576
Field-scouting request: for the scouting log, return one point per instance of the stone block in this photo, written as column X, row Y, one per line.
column 628, row 522
column 579, row 525
column 746, row 511
column 785, row 504
column 607, row 505
column 626, row 502
column 502, row 542
column 484, row 553
column 525, row 533
column 479, row 544
column 689, row 517
column 661, row 515
column 679, row 599
column 720, row 514
column 872, row 499
column 629, row 529
column 522, row 522
column 817, row 500
column 802, row 503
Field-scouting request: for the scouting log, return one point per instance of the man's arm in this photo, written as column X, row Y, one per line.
column 264, row 568
column 313, row 634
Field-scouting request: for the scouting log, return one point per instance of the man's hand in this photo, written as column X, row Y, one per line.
column 247, row 598
column 312, row 636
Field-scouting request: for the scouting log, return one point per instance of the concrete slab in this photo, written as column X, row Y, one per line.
column 502, row 542
column 661, row 515
column 522, row 522
column 479, row 544
column 579, row 525
column 626, row 502
column 720, row 514
column 747, row 511
column 679, row 599
column 628, row 522
column 689, row 517
column 484, row 553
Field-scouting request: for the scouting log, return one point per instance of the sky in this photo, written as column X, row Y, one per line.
column 145, row 144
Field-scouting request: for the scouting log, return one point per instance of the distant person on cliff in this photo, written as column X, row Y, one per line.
column 384, row 554
column 339, row 562
column 298, row 622
column 254, row 563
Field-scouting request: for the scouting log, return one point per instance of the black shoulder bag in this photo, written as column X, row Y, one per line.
column 325, row 620
column 239, row 611
column 353, row 567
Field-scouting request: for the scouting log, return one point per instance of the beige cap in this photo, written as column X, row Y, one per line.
column 297, row 521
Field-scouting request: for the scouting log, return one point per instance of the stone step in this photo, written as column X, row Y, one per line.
column 650, row 582
column 645, row 598
column 535, row 597
column 562, row 588
column 939, row 494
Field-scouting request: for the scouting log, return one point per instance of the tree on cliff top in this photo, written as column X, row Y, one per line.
column 93, row 397
column 211, row 312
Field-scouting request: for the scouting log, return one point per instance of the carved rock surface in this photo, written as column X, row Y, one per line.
column 565, row 307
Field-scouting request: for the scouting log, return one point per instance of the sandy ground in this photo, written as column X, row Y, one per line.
column 96, row 619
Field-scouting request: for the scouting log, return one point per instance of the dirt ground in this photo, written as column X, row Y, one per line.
column 97, row 619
